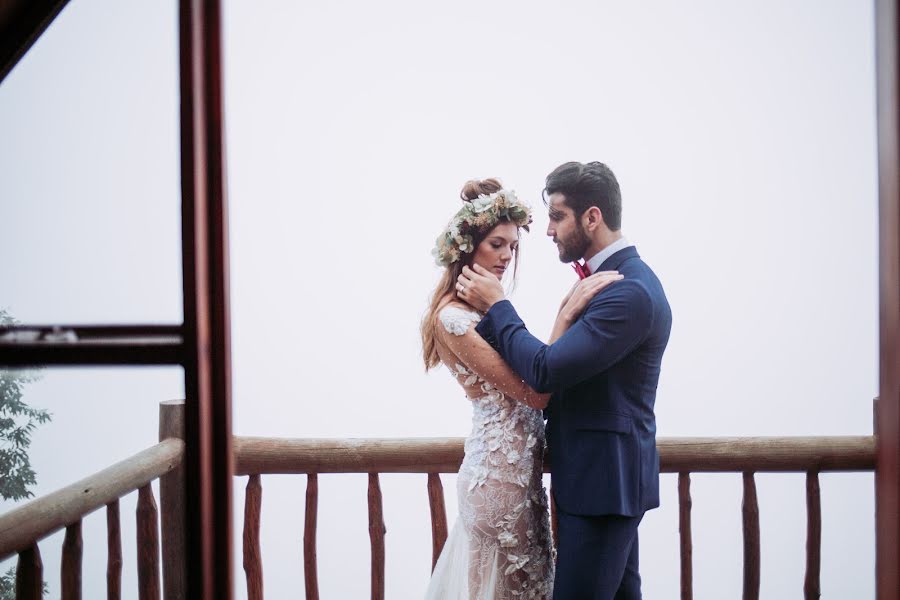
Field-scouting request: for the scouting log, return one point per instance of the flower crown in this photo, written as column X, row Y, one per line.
column 478, row 216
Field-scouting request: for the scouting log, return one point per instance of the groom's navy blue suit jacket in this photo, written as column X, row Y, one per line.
column 603, row 372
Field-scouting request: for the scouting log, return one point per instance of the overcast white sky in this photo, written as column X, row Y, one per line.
column 743, row 137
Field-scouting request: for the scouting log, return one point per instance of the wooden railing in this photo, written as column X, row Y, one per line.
column 256, row 456
column 22, row 528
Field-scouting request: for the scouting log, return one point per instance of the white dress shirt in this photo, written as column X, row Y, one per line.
column 599, row 258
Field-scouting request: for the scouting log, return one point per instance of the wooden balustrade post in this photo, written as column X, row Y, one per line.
column 310, row 573
column 811, row 585
column 171, row 504
column 113, row 552
column 252, row 553
column 71, row 563
column 750, row 508
column 30, row 574
column 147, row 545
column 684, row 531
column 376, row 536
column 438, row 516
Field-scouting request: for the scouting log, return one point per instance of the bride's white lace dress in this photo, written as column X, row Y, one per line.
column 500, row 546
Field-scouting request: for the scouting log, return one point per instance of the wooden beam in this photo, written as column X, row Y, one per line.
column 26, row 345
column 207, row 360
column 887, row 473
column 444, row 455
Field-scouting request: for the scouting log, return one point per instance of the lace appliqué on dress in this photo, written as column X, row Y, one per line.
column 458, row 320
column 502, row 501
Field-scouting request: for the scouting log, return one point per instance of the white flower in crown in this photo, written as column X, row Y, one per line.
column 483, row 202
column 479, row 215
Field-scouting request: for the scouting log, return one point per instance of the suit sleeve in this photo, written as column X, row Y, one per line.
column 473, row 352
column 614, row 323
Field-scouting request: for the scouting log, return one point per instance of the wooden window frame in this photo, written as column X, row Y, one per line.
column 201, row 345
column 887, row 419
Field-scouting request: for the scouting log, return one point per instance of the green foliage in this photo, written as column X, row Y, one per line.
column 17, row 422
column 8, row 585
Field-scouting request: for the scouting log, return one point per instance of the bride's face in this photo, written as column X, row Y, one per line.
column 496, row 250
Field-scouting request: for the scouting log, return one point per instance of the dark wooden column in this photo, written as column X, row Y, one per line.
column 887, row 466
column 207, row 361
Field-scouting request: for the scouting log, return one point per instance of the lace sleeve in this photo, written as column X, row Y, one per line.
column 459, row 336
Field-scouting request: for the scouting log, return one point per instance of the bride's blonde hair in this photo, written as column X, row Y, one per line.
column 445, row 291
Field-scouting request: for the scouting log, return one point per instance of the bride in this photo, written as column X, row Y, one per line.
column 500, row 546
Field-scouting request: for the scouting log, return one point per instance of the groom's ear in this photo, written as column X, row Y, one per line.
column 592, row 218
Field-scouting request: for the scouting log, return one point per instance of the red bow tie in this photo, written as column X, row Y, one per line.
column 582, row 270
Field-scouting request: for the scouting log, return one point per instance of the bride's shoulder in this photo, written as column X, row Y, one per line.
column 457, row 318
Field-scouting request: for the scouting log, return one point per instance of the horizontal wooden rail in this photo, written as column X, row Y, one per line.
column 22, row 527
column 25, row 345
column 255, row 455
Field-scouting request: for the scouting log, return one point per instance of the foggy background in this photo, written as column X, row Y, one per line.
column 743, row 138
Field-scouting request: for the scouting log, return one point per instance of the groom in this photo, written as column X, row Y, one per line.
column 603, row 372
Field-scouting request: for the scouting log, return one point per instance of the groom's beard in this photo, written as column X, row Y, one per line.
column 573, row 248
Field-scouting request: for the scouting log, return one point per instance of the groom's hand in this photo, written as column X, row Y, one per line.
column 479, row 287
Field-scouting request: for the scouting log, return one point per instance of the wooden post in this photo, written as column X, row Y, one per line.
column 252, row 554
column 30, row 574
column 376, row 536
column 684, row 530
column 750, row 508
column 310, row 573
column 887, row 472
column 811, row 586
column 209, row 476
column 113, row 552
column 171, row 500
column 147, row 545
column 71, row 563
column 438, row 516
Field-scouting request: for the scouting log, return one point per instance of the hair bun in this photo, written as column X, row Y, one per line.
column 477, row 187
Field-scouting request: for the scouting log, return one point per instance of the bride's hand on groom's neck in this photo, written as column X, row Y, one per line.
column 479, row 287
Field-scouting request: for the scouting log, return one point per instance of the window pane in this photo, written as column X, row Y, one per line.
column 89, row 169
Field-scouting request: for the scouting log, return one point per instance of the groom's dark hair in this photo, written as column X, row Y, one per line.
column 587, row 185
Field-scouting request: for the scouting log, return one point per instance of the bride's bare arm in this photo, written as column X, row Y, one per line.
column 477, row 355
